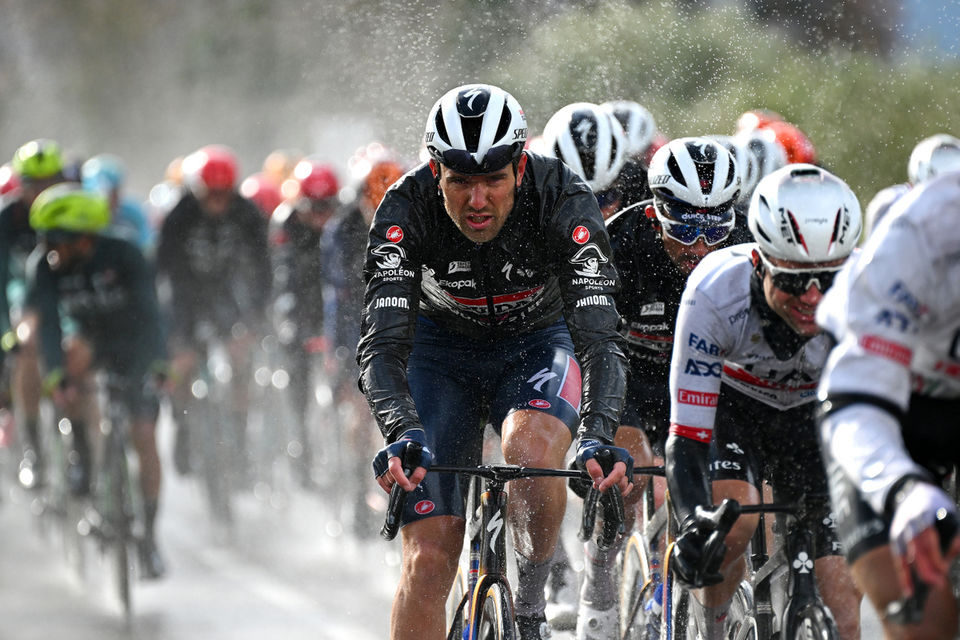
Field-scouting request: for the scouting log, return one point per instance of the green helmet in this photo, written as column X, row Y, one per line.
column 67, row 207
column 38, row 159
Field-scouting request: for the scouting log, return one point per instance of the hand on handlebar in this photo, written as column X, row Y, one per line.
column 699, row 548
column 607, row 465
column 923, row 536
column 409, row 454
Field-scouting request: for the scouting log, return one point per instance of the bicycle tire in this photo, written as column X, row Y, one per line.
column 812, row 621
column 636, row 587
column 120, row 516
column 456, row 618
column 213, row 460
column 675, row 624
column 491, row 613
column 743, row 625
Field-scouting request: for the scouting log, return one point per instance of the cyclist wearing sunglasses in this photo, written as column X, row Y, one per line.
column 489, row 287
column 655, row 246
column 891, row 407
column 743, row 379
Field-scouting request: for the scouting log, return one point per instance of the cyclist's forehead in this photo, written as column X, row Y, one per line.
column 805, row 266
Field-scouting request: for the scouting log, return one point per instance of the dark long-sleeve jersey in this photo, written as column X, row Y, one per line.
column 219, row 268
column 551, row 259
column 17, row 240
column 112, row 300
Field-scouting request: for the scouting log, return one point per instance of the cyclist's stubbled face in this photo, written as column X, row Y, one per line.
column 797, row 311
column 480, row 205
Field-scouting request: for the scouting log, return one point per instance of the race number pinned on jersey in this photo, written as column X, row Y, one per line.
column 581, row 235
column 395, row 234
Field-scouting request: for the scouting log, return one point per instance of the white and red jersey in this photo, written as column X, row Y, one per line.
column 719, row 338
column 895, row 309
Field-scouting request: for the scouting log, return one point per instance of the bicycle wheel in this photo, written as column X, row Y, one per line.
column 743, row 626
column 118, row 512
column 456, row 614
column 636, row 587
column 675, row 623
column 492, row 613
column 811, row 621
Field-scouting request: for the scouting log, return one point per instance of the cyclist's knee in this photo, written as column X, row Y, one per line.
column 534, row 439
column 431, row 550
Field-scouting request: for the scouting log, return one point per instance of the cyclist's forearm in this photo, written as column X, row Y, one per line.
column 603, row 389
column 384, row 383
column 688, row 477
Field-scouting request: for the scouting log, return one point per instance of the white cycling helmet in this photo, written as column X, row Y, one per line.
column 475, row 129
column 589, row 140
column 695, row 172
column 933, row 156
column 804, row 213
column 637, row 123
column 747, row 165
column 768, row 153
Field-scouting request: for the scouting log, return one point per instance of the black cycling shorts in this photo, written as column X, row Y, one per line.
column 931, row 434
column 753, row 441
column 460, row 384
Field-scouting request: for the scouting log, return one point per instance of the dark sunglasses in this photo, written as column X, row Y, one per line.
column 796, row 282
column 688, row 233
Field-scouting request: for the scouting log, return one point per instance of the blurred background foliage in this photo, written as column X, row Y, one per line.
column 153, row 79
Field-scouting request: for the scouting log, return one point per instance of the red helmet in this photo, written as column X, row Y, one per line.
column 756, row 119
column 263, row 191
column 211, row 167
column 317, row 181
column 9, row 181
column 794, row 141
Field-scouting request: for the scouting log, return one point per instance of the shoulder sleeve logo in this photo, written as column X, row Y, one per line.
column 581, row 234
column 394, row 234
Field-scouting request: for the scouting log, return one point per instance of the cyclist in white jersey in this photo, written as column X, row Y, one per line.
column 891, row 391
column 746, row 359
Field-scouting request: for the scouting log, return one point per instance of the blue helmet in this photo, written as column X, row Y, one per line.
column 103, row 173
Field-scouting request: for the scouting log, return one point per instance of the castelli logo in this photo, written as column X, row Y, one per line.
column 539, row 403
column 394, row 234
column 424, row 507
column 581, row 235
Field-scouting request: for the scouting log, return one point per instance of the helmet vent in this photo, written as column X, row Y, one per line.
column 705, row 171
column 674, row 169
column 731, row 172
column 441, row 127
column 504, row 122
column 795, row 230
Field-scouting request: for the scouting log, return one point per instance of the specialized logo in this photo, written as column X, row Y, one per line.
column 803, row 562
column 581, row 234
column 698, row 398
column 457, row 266
column 589, row 258
column 586, row 132
column 704, row 369
column 391, row 254
column 539, row 403
column 395, row 234
column 468, row 104
column 540, row 378
column 424, row 507
column 495, row 526
column 653, row 309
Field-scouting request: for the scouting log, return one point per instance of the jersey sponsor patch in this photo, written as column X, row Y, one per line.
column 698, row 398
column 588, row 260
column 653, row 309
column 394, row 302
column 700, row 434
column 887, row 349
column 395, row 234
column 581, row 235
column 539, row 403
column 703, row 368
column 458, row 266
column 424, row 507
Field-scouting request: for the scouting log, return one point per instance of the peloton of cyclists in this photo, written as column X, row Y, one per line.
column 744, row 369
column 489, row 287
column 891, row 401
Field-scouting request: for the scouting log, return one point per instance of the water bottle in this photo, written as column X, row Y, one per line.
column 653, row 611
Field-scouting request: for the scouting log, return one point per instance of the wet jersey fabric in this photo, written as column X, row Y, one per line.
column 218, row 268
column 894, row 311
column 648, row 301
column 551, row 260
column 17, row 240
column 726, row 334
column 110, row 298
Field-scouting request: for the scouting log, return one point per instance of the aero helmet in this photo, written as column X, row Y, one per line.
column 589, row 140
column 38, row 159
column 475, row 129
column 213, row 167
column 68, row 207
column 803, row 213
column 102, row 173
column 695, row 172
column 933, row 156
column 637, row 123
